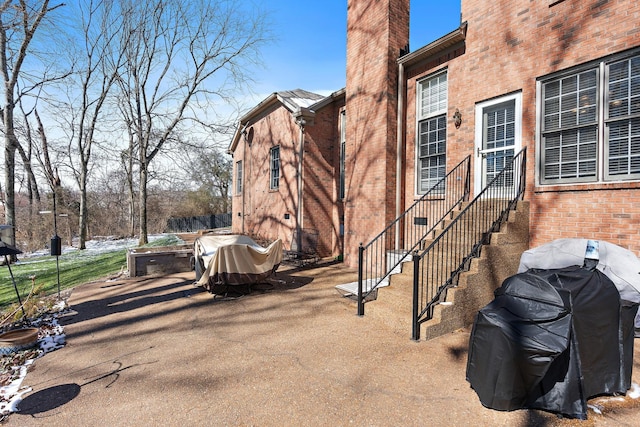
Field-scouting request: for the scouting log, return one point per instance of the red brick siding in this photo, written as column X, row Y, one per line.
column 322, row 210
column 611, row 215
column 510, row 44
column 376, row 31
column 264, row 210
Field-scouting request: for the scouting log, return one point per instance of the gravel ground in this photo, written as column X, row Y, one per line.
column 158, row 351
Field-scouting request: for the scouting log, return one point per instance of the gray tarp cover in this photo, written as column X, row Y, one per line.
column 619, row 264
column 235, row 260
column 550, row 340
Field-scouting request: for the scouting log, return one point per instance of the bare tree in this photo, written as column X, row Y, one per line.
column 50, row 171
column 97, row 60
column 127, row 162
column 26, row 152
column 210, row 171
column 180, row 57
column 19, row 21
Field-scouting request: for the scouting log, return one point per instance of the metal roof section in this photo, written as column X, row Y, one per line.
column 292, row 100
column 297, row 101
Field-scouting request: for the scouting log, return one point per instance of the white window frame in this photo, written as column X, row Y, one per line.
column 603, row 124
column 274, row 168
column 479, row 131
column 435, row 110
column 239, row 173
column 343, row 153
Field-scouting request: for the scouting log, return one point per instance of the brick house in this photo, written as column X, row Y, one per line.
column 560, row 78
column 285, row 150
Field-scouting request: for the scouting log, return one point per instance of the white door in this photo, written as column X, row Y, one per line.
column 498, row 139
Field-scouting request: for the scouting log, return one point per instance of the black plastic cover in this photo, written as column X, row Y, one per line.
column 550, row 340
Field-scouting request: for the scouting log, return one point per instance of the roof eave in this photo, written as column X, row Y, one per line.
column 263, row 106
column 328, row 100
column 235, row 139
column 456, row 36
column 246, row 118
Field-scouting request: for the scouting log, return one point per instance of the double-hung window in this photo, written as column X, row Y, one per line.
column 239, row 177
column 623, row 119
column 274, row 168
column 590, row 124
column 432, row 131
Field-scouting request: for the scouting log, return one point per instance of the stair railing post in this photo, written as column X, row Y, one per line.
column 415, row 327
column 467, row 181
column 360, row 267
column 523, row 173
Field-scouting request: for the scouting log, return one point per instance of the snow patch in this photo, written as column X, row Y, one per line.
column 53, row 338
column 634, row 391
column 98, row 245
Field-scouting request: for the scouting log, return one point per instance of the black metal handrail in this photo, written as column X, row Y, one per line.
column 378, row 259
column 437, row 268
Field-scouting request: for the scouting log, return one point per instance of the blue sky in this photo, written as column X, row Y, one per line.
column 310, row 48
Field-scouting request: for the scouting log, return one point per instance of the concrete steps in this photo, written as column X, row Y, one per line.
column 499, row 260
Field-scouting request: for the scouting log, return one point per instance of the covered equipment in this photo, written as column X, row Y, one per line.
column 226, row 263
column 550, row 340
column 617, row 263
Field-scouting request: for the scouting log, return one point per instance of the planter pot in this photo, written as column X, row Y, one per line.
column 18, row 339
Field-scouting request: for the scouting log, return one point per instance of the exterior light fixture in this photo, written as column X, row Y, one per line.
column 457, row 118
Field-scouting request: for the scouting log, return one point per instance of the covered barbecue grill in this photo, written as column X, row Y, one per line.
column 552, row 339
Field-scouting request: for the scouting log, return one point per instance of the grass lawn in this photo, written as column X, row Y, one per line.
column 76, row 267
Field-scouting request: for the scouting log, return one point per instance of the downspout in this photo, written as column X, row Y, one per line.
column 244, row 174
column 399, row 151
column 301, row 122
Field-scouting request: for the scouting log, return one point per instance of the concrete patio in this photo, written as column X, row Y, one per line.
column 159, row 351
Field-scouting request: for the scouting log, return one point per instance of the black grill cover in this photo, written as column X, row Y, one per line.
column 550, row 340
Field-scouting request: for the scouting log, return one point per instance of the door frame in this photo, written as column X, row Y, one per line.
column 479, row 132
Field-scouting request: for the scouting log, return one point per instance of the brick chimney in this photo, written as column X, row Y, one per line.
column 376, row 32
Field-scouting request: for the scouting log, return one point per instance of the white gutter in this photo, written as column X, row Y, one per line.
column 303, row 117
column 301, row 122
column 399, row 151
column 244, row 174
column 244, row 166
